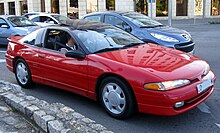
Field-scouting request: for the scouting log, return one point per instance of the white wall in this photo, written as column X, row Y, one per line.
column 124, row 5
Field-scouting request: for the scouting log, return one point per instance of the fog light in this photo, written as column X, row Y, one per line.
column 179, row 104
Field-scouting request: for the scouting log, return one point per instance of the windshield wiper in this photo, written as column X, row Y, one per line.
column 159, row 25
column 106, row 49
column 151, row 26
column 133, row 44
column 31, row 25
column 24, row 25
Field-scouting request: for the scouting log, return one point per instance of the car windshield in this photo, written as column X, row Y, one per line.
column 20, row 21
column 106, row 39
column 61, row 19
column 141, row 20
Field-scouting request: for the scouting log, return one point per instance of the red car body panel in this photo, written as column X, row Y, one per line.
column 137, row 65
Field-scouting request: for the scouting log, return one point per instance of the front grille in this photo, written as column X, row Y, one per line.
column 185, row 47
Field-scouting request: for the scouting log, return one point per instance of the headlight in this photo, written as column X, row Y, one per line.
column 164, row 38
column 166, row 85
column 188, row 34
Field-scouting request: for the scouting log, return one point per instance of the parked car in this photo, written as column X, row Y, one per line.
column 45, row 19
column 11, row 25
column 111, row 66
column 146, row 29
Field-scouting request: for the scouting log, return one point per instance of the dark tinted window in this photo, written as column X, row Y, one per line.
column 94, row 18
column 46, row 19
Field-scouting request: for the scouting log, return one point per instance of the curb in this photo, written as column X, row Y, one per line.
column 51, row 118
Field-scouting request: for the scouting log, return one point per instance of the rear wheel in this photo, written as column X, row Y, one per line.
column 117, row 98
column 22, row 73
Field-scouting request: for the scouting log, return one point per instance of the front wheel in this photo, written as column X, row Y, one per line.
column 22, row 73
column 117, row 98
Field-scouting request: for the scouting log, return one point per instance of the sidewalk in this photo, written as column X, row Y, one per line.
column 194, row 21
column 20, row 113
column 13, row 122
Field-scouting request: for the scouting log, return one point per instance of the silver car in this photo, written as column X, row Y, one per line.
column 45, row 19
column 11, row 25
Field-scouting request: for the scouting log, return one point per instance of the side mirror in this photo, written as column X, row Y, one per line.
column 127, row 28
column 50, row 22
column 75, row 54
column 4, row 26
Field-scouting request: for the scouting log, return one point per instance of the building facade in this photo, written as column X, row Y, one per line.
column 78, row 8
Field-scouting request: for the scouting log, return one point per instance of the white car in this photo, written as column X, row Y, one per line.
column 45, row 19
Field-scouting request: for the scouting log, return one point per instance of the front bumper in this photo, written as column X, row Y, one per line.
column 162, row 102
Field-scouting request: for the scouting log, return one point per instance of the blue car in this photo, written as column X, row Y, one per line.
column 146, row 29
column 11, row 25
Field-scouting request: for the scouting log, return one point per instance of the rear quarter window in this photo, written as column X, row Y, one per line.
column 34, row 38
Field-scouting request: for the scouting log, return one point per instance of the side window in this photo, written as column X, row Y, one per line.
column 113, row 20
column 36, row 19
column 94, row 18
column 2, row 23
column 32, row 38
column 59, row 40
column 46, row 19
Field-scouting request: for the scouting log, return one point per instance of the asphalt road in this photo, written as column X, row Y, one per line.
column 205, row 118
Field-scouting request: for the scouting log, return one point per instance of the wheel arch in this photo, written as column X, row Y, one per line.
column 105, row 75
column 14, row 61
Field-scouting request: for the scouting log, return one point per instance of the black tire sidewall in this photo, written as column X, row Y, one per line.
column 130, row 101
column 29, row 82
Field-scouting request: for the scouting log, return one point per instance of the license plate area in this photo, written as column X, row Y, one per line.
column 204, row 86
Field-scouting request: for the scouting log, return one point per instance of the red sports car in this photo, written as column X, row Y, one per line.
column 105, row 63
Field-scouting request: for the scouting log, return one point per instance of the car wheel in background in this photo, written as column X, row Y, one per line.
column 117, row 98
column 22, row 73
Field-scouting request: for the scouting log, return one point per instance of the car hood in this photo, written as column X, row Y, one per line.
column 25, row 30
column 165, row 30
column 166, row 63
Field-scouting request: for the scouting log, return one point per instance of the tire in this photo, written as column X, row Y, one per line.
column 117, row 98
column 23, row 74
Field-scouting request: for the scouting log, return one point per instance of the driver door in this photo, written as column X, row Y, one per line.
column 61, row 71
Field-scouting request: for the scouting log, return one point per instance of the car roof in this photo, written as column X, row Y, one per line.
column 44, row 14
column 40, row 13
column 81, row 24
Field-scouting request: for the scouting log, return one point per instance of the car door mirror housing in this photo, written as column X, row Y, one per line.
column 127, row 28
column 75, row 54
column 50, row 22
